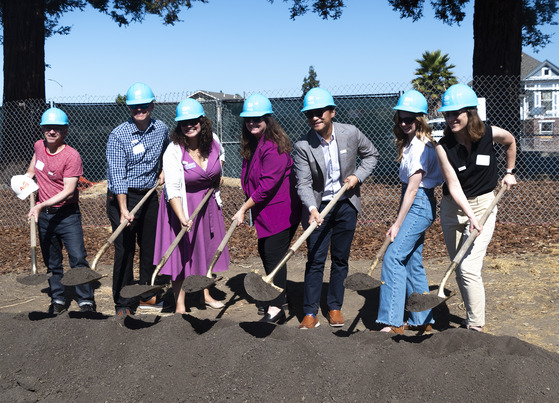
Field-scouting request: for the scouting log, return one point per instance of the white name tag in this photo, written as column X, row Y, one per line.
column 460, row 169
column 343, row 151
column 39, row 165
column 483, row 160
column 138, row 149
column 188, row 166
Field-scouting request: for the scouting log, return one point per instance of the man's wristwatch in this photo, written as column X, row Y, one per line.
column 511, row 171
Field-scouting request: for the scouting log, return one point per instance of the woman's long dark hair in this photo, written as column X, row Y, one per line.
column 205, row 138
column 475, row 126
column 274, row 133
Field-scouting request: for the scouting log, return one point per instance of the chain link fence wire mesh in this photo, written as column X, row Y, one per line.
column 369, row 107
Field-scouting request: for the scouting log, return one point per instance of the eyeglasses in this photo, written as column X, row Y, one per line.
column 189, row 122
column 315, row 112
column 254, row 119
column 139, row 106
column 453, row 114
column 407, row 121
column 56, row 128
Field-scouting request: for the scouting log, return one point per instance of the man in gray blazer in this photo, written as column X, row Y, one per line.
column 324, row 159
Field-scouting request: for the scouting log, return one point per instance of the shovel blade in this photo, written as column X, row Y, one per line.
column 421, row 302
column 137, row 290
column 80, row 275
column 361, row 282
column 260, row 290
column 33, row 279
column 196, row 283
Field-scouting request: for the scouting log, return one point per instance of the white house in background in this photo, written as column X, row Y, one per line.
column 539, row 106
column 202, row 96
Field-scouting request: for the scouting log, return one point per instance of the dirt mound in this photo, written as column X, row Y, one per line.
column 182, row 358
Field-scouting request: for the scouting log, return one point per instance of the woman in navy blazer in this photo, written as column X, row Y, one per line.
column 269, row 185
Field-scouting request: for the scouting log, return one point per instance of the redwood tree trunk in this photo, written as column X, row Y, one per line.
column 496, row 61
column 24, row 77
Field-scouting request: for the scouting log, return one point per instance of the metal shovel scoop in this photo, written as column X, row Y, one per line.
column 261, row 287
column 137, row 290
column 83, row 275
column 421, row 302
column 362, row 281
column 196, row 283
column 33, row 278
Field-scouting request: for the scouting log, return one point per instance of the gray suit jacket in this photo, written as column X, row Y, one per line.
column 310, row 167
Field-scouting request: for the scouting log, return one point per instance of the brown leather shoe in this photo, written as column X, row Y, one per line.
column 335, row 318
column 309, row 322
column 393, row 329
column 423, row 328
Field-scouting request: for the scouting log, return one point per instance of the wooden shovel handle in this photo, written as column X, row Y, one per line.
column 121, row 227
column 466, row 245
column 33, row 228
column 179, row 236
column 268, row 279
column 221, row 247
column 379, row 255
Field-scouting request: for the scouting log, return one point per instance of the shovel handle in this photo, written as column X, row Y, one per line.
column 179, row 236
column 221, row 247
column 380, row 254
column 268, row 279
column 33, row 228
column 121, row 227
column 466, row 245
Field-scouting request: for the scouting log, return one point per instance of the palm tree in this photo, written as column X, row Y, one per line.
column 433, row 77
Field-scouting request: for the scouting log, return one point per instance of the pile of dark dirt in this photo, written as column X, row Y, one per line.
column 182, row 358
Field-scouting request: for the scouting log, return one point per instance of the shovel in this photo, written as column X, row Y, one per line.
column 198, row 283
column 33, row 278
column 83, row 275
column 362, row 281
column 137, row 290
column 261, row 287
column 421, row 302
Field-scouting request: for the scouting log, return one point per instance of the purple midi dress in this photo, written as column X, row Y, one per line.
column 193, row 254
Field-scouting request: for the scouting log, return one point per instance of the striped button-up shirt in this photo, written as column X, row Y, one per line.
column 134, row 157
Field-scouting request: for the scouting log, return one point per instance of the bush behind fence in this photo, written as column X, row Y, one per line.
column 369, row 107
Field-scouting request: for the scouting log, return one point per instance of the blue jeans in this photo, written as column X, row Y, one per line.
column 336, row 233
column 63, row 227
column 402, row 267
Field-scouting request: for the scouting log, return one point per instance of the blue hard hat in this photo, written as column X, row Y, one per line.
column 189, row 109
column 457, row 97
column 317, row 98
column 255, row 106
column 412, row 101
column 138, row 94
column 54, row 116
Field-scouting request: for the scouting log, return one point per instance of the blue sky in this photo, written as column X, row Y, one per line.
column 252, row 45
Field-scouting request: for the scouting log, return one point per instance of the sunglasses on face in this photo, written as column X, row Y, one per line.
column 139, row 106
column 407, row 121
column 254, row 119
column 189, row 122
column 315, row 112
column 453, row 114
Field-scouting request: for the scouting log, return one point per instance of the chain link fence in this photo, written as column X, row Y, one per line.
column 369, row 107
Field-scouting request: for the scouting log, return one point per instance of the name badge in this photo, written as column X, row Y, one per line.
column 188, row 166
column 460, row 169
column 482, row 160
column 138, row 149
column 343, row 151
column 39, row 165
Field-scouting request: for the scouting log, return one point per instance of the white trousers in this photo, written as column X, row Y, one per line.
column 455, row 225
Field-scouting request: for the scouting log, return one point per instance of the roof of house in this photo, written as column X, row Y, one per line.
column 527, row 65
column 206, row 95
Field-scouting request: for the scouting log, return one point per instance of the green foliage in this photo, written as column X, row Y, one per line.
column 324, row 8
column 120, row 99
column 310, row 81
column 433, row 77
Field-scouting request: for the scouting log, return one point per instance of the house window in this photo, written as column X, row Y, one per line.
column 546, row 128
column 546, row 71
column 547, row 101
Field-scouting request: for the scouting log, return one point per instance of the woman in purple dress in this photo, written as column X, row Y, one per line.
column 269, row 186
column 192, row 166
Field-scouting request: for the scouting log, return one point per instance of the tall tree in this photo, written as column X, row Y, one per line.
column 433, row 76
column 310, row 81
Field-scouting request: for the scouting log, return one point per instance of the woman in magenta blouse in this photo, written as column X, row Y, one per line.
column 269, row 185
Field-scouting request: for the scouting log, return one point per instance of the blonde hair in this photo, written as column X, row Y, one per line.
column 422, row 132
